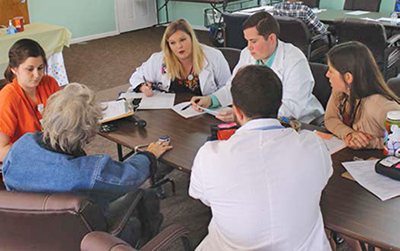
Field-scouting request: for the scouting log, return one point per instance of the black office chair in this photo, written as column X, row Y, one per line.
column 233, row 31
column 231, row 55
column 394, row 84
column 367, row 5
column 373, row 35
column 296, row 32
column 311, row 3
column 322, row 88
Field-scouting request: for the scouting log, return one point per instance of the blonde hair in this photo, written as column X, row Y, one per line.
column 173, row 66
column 71, row 118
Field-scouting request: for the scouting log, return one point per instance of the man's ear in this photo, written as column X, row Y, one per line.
column 348, row 78
column 272, row 37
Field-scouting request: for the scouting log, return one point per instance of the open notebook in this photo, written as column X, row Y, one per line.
column 116, row 110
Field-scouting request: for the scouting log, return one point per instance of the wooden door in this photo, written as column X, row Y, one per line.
column 13, row 8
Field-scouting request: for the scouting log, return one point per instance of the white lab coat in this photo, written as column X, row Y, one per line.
column 264, row 189
column 293, row 69
column 214, row 75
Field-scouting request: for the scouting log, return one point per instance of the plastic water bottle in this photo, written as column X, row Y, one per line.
column 393, row 18
column 11, row 29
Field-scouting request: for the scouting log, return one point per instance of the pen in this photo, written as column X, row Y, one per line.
column 189, row 105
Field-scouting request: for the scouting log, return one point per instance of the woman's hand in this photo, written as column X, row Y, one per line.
column 146, row 89
column 226, row 116
column 357, row 140
column 203, row 101
column 158, row 148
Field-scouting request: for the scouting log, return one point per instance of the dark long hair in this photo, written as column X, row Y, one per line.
column 19, row 52
column 355, row 58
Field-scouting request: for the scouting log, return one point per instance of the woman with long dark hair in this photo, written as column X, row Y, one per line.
column 360, row 98
column 23, row 99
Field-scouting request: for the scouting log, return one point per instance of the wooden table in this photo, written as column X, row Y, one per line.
column 187, row 135
column 351, row 210
column 329, row 16
column 347, row 207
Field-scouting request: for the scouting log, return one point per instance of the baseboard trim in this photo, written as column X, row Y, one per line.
column 195, row 27
column 93, row 37
column 200, row 28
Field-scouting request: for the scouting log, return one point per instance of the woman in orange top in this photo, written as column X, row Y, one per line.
column 24, row 98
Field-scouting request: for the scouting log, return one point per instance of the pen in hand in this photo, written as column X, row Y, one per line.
column 189, row 105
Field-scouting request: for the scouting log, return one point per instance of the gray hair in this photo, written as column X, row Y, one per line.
column 71, row 118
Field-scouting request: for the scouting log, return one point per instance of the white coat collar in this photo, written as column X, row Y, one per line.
column 204, row 73
column 259, row 123
column 277, row 65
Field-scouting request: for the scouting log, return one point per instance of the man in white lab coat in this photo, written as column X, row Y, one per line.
column 261, row 30
column 263, row 184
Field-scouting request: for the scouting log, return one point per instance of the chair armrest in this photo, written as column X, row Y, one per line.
column 168, row 236
column 319, row 121
column 102, row 241
column 121, row 209
column 393, row 39
column 327, row 35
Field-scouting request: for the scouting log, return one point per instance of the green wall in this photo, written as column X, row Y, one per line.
column 82, row 17
column 91, row 17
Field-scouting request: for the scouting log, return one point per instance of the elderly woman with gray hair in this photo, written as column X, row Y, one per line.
column 54, row 160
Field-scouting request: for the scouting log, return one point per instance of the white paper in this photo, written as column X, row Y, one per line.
column 186, row 113
column 364, row 173
column 357, row 12
column 369, row 19
column 159, row 100
column 316, row 11
column 113, row 109
column 214, row 112
column 388, row 20
column 334, row 144
column 269, row 8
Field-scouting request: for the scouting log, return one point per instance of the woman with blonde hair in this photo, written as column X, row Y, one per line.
column 183, row 65
column 360, row 98
column 54, row 160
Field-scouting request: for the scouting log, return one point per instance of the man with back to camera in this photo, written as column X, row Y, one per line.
column 263, row 184
column 261, row 30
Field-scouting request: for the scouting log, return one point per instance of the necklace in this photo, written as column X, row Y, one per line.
column 190, row 77
column 40, row 106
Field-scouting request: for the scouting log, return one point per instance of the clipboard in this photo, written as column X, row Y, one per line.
column 117, row 109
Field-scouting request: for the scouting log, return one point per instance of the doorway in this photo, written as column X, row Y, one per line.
column 135, row 14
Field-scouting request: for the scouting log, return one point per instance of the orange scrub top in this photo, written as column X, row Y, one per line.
column 17, row 110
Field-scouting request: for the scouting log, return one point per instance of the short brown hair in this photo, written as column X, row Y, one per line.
column 257, row 91
column 264, row 22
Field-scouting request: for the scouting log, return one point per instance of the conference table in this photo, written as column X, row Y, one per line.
column 347, row 207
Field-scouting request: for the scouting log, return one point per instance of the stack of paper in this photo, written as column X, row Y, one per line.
column 364, row 173
column 334, row 144
column 159, row 100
